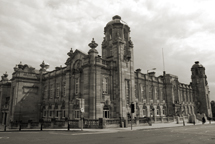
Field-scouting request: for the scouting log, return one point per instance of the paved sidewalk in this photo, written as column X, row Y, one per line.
column 112, row 130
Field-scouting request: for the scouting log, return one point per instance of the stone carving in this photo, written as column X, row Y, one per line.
column 93, row 44
column 104, row 43
column 130, row 43
column 70, row 52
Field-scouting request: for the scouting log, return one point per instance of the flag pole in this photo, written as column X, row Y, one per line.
column 164, row 83
column 163, row 60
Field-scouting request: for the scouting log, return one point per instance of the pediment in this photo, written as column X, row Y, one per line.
column 76, row 55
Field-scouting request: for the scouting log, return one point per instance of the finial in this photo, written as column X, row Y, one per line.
column 20, row 65
column 15, row 68
column 5, row 75
column 93, row 44
column 42, row 65
column 70, row 52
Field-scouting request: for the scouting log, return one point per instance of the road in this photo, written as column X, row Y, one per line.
column 175, row 135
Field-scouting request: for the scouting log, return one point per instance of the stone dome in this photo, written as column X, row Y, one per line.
column 197, row 65
column 116, row 20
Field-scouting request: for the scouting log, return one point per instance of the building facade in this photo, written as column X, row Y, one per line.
column 100, row 86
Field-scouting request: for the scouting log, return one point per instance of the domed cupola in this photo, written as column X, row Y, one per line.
column 116, row 20
column 116, row 28
column 116, row 31
column 198, row 70
column 197, row 65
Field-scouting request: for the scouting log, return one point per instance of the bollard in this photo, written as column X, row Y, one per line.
column 41, row 127
column 68, row 127
column 5, row 127
column 183, row 121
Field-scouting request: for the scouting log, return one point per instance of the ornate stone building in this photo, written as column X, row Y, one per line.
column 104, row 86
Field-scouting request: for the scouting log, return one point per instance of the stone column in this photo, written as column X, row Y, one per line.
column 148, row 111
column 155, row 113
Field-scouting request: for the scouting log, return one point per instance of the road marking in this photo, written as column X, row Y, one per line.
column 28, row 132
column 4, row 137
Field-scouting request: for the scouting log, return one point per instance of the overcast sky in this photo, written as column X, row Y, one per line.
column 35, row 30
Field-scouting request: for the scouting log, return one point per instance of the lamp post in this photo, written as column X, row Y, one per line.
column 153, row 114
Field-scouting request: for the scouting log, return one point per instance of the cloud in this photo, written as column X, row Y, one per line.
column 33, row 31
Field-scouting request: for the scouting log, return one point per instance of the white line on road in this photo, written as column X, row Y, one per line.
column 28, row 132
column 4, row 137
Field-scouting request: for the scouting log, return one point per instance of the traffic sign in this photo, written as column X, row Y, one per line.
column 82, row 110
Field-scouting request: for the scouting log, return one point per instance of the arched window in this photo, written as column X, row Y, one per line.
column 188, row 95
column 45, row 92
column 175, row 93
column 185, row 96
column 106, row 112
column 158, row 110
column 77, row 113
column 150, row 93
column 156, row 93
column 127, row 91
column 161, row 94
column 76, row 85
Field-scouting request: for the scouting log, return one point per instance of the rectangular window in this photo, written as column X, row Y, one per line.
column 77, row 114
column 163, row 111
column 64, row 88
column 106, row 114
column 57, row 113
column 64, row 113
column 157, row 111
column 57, row 93
column 50, row 113
column 51, row 93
